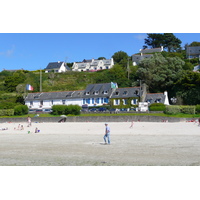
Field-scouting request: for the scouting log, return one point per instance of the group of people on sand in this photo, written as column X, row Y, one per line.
column 21, row 127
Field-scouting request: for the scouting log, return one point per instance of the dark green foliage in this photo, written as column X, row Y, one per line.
column 21, row 110
column 157, row 107
column 167, row 40
column 198, row 109
column 66, row 110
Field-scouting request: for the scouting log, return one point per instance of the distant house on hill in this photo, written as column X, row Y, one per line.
column 193, row 52
column 57, row 67
column 93, row 65
column 145, row 53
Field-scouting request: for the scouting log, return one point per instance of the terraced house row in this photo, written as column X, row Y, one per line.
column 94, row 95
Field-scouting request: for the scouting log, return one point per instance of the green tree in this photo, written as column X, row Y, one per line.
column 194, row 44
column 121, row 57
column 171, row 42
column 11, row 82
column 160, row 73
column 101, row 58
column 167, row 40
column 188, row 88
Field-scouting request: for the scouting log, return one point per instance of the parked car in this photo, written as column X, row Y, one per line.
column 102, row 109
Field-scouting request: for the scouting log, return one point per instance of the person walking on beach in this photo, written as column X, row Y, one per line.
column 29, row 121
column 107, row 134
column 131, row 126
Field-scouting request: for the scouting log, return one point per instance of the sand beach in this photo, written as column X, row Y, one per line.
column 81, row 144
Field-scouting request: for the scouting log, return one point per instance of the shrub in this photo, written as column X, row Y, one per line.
column 157, row 107
column 58, row 109
column 198, row 109
column 21, row 110
column 188, row 109
column 7, row 112
column 66, row 109
column 171, row 110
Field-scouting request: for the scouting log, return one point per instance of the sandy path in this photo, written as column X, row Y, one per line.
column 81, row 144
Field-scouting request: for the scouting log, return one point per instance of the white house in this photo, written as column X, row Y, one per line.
column 57, row 67
column 93, row 65
column 94, row 95
column 145, row 53
column 193, row 52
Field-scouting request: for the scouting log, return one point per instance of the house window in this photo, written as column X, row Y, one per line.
column 31, row 103
column 105, row 100
column 125, row 101
column 88, row 101
column 125, row 93
column 52, row 102
column 105, row 92
column 84, row 101
column 157, row 100
column 117, row 93
column 149, row 100
column 116, row 101
column 134, row 101
column 63, row 102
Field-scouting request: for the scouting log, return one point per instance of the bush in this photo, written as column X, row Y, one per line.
column 21, row 110
column 66, row 110
column 157, row 107
column 58, row 109
column 188, row 109
column 198, row 109
column 171, row 110
column 7, row 112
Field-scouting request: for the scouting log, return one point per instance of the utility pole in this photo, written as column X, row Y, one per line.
column 128, row 70
column 40, row 80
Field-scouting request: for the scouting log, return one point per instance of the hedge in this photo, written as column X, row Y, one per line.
column 157, row 107
column 198, row 109
column 188, row 109
column 180, row 109
column 66, row 109
column 171, row 110
column 6, row 112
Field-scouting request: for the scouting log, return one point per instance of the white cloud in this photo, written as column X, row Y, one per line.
column 9, row 52
column 140, row 36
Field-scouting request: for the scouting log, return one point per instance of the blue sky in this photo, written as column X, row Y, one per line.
column 32, row 51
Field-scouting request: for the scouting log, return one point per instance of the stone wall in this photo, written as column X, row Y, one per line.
column 116, row 118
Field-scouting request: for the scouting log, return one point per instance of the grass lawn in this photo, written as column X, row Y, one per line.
column 180, row 115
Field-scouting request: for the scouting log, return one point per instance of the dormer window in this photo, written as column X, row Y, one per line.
column 96, row 92
column 87, row 93
column 125, row 93
column 105, row 92
column 116, row 93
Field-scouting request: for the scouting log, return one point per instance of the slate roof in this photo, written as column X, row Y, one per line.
column 54, row 95
column 153, row 97
column 97, row 90
column 54, row 65
column 126, row 92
